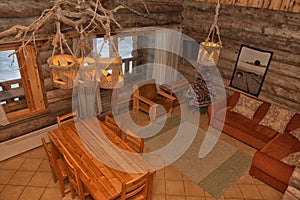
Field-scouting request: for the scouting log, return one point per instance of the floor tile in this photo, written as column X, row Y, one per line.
column 193, row 189
column 38, row 152
column 160, row 174
column 1, row 163
column 52, row 184
column 21, row 178
column 268, row 193
column 1, row 187
column 13, row 163
column 175, row 197
column 32, row 193
column 44, row 166
column 40, row 179
column 174, row 187
column 31, row 164
column 159, row 186
column 158, row 197
column 234, row 192
column 51, row 194
column 6, row 175
column 250, row 191
column 247, row 179
column 172, row 173
column 11, row 192
column 195, row 198
column 24, row 155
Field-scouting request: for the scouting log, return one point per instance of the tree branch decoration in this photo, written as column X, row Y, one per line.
column 85, row 16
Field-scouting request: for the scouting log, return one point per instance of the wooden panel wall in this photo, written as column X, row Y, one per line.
column 276, row 31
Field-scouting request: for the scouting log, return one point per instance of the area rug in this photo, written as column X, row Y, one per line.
column 228, row 173
column 217, row 171
column 170, row 123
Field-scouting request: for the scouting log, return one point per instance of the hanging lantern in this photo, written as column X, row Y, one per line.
column 63, row 70
column 110, row 74
column 87, row 69
column 209, row 51
column 110, row 69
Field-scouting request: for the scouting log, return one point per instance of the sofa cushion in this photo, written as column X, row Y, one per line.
column 233, row 99
column 281, row 146
column 246, row 106
column 261, row 112
column 246, row 125
column 296, row 133
column 292, row 159
column 294, row 123
column 277, row 118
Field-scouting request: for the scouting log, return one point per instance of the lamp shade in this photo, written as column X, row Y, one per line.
column 63, row 70
column 110, row 72
column 209, row 52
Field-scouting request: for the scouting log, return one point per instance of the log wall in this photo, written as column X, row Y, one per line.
column 59, row 101
column 276, row 31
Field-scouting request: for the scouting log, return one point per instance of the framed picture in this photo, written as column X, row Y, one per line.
column 250, row 69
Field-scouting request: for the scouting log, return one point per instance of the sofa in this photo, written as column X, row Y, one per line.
column 272, row 145
column 267, row 164
column 238, row 126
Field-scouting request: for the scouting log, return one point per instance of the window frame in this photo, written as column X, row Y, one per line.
column 32, row 84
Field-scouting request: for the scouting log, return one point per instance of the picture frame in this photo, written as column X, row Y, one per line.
column 250, row 69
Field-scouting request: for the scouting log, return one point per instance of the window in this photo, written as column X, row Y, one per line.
column 20, row 86
column 125, row 47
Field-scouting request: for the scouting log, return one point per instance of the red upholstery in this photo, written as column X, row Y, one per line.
column 266, row 164
column 272, row 146
column 242, row 128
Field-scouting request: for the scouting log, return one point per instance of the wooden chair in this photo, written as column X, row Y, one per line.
column 148, row 98
column 75, row 182
column 134, row 141
column 135, row 189
column 113, row 125
column 67, row 118
column 58, row 168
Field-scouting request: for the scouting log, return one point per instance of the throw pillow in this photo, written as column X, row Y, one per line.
column 246, row 106
column 296, row 133
column 293, row 159
column 277, row 118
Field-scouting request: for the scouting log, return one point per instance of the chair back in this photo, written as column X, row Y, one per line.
column 113, row 125
column 134, row 141
column 51, row 160
column 67, row 118
column 58, row 168
column 137, row 187
column 146, row 89
column 74, row 180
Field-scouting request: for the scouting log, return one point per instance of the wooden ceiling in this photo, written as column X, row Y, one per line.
column 284, row 5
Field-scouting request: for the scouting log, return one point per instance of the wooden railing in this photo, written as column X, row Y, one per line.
column 12, row 95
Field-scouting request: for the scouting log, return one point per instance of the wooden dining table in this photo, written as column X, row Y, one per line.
column 104, row 161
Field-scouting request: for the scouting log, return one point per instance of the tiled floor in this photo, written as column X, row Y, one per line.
column 28, row 177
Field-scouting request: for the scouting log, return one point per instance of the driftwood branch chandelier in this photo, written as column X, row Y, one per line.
column 82, row 17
